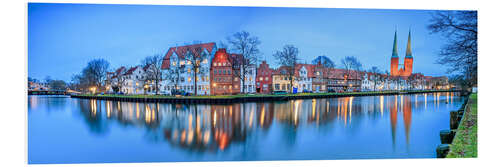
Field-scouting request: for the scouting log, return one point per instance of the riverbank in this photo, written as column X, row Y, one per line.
column 464, row 144
column 242, row 98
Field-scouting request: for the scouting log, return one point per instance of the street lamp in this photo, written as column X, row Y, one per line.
column 92, row 89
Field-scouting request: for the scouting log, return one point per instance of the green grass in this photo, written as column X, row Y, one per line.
column 247, row 95
column 465, row 143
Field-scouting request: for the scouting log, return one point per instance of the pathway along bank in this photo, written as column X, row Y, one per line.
column 240, row 99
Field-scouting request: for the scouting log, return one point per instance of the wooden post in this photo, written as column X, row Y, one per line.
column 446, row 136
column 454, row 120
column 442, row 150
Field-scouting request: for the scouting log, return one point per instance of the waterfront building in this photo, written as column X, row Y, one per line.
column 37, row 85
column 179, row 70
column 115, row 80
column 304, row 76
column 264, row 79
column 281, row 80
column 222, row 79
column 319, row 79
column 249, row 77
column 133, row 81
column 407, row 69
column 249, row 85
column 339, row 80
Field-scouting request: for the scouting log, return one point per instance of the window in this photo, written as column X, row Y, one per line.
column 261, row 78
column 267, row 78
column 277, row 86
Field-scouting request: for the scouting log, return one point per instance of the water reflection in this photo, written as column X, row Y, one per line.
column 217, row 128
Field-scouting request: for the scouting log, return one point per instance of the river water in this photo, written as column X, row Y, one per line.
column 70, row 130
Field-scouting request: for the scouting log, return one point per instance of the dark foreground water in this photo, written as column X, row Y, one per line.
column 68, row 130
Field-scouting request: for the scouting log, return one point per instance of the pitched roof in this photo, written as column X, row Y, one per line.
column 221, row 56
column 182, row 50
column 309, row 68
column 131, row 70
column 118, row 72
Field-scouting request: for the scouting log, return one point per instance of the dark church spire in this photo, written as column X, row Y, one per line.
column 408, row 46
column 395, row 46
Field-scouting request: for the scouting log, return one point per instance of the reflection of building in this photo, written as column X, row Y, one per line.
column 401, row 104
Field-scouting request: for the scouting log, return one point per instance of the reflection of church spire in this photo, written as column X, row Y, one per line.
column 407, row 118
column 395, row 46
column 394, row 120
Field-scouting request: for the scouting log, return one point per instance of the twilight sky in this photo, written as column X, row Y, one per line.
column 62, row 38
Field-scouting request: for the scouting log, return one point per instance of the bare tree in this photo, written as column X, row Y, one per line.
column 351, row 65
column 325, row 61
column 94, row 74
column 288, row 58
column 57, row 85
column 153, row 72
column 460, row 52
column 247, row 46
column 173, row 74
column 194, row 57
column 376, row 76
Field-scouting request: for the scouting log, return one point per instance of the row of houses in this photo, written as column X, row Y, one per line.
column 218, row 72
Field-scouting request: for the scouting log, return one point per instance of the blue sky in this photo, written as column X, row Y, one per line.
column 62, row 38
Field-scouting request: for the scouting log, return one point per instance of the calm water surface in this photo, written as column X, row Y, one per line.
column 68, row 130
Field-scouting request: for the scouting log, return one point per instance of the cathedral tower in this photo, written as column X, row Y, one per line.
column 395, row 57
column 408, row 63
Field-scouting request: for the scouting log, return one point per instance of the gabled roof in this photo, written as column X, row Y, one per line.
column 221, row 56
column 182, row 50
column 309, row 68
column 131, row 70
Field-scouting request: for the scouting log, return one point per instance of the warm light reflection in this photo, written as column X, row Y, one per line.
column 218, row 127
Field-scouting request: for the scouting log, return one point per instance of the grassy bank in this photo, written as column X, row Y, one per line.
column 259, row 95
column 465, row 143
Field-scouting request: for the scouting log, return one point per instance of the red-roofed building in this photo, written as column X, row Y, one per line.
column 183, row 77
column 133, row 81
column 222, row 77
column 264, row 79
column 304, row 74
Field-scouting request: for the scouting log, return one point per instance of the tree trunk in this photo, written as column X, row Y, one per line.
column 195, row 82
column 243, row 78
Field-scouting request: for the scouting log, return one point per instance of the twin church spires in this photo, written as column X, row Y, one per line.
column 408, row 62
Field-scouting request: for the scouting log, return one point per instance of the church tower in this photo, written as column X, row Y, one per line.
column 408, row 62
column 395, row 57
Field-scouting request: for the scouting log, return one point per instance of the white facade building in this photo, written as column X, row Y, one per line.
column 179, row 72
column 249, row 79
column 304, row 82
column 134, row 81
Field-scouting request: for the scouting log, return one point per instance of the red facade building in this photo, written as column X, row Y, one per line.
column 222, row 78
column 264, row 79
